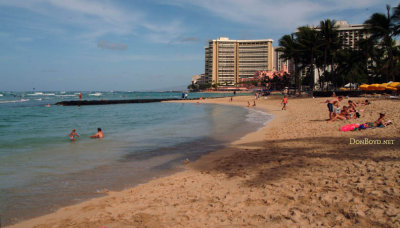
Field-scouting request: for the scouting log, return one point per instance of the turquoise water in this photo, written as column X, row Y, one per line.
column 41, row 169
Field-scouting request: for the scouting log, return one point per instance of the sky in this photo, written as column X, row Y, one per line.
column 137, row 45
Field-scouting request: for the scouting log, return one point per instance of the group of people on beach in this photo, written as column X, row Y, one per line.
column 351, row 111
column 346, row 113
column 73, row 135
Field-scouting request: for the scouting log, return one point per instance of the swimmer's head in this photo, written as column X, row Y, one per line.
column 73, row 129
column 98, row 129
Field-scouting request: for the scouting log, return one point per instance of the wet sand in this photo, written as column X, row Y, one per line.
column 297, row 171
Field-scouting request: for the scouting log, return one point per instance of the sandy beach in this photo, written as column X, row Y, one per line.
column 297, row 171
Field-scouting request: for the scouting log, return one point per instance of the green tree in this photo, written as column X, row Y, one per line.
column 329, row 48
column 309, row 42
column 351, row 67
column 383, row 28
column 290, row 51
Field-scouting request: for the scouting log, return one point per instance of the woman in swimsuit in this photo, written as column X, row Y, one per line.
column 344, row 114
column 381, row 121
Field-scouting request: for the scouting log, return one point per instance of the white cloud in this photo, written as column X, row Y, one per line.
column 91, row 19
column 284, row 14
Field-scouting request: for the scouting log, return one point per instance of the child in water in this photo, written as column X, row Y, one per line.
column 73, row 135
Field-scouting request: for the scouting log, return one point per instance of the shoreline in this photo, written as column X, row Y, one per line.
column 178, row 169
column 298, row 170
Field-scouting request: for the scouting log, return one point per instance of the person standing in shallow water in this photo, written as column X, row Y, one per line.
column 98, row 135
column 73, row 135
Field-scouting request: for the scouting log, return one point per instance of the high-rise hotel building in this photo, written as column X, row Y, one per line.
column 227, row 61
column 350, row 34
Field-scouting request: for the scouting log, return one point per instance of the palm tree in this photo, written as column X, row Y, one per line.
column 372, row 57
column 383, row 29
column 396, row 68
column 351, row 67
column 289, row 48
column 330, row 44
column 396, row 19
column 309, row 42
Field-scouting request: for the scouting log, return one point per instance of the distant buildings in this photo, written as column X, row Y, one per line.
column 228, row 61
column 350, row 34
column 278, row 62
column 198, row 79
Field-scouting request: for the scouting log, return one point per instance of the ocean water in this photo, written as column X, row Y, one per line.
column 42, row 170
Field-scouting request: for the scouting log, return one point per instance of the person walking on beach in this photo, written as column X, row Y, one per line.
column 98, row 135
column 284, row 102
column 73, row 135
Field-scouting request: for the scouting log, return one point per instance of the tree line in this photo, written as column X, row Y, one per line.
column 374, row 58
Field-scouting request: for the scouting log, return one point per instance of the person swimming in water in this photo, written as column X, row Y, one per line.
column 98, row 135
column 73, row 135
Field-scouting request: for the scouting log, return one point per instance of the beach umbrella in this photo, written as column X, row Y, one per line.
column 375, row 87
column 384, row 85
column 364, row 87
column 391, row 88
column 394, row 84
column 352, row 85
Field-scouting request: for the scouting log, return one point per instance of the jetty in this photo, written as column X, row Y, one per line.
column 108, row 102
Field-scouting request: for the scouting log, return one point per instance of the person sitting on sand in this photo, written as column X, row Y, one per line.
column 73, row 135
column 98, row 135
column 351, row 113
column 381, row 121
column 342, row 115
column 330, row 104
column 353, row 109
column 352, row 106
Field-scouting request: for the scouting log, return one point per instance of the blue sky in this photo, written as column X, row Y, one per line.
column 139, row 44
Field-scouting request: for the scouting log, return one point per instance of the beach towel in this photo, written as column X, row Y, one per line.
column 349, row 127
